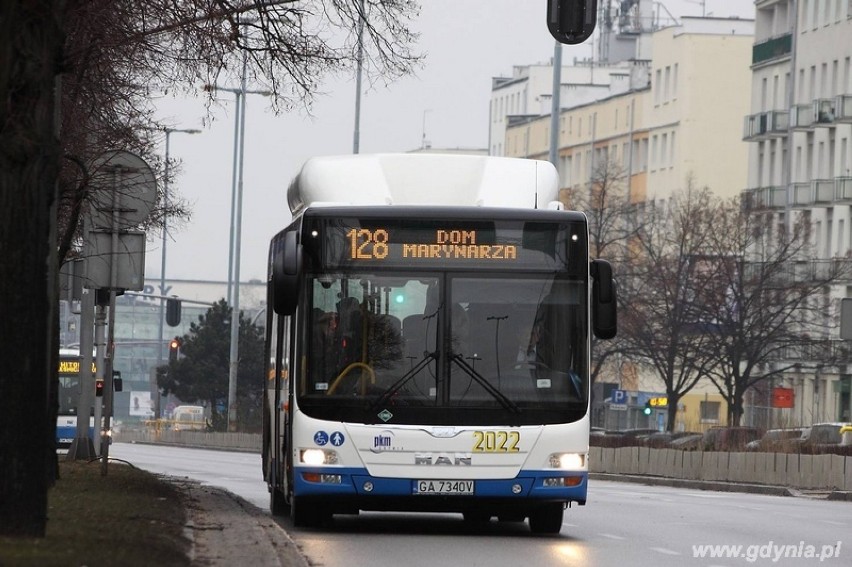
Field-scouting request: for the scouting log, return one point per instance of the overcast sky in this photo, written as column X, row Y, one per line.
column 466, row 42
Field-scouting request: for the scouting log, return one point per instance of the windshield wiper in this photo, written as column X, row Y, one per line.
column 486, row 385
column 394, row 388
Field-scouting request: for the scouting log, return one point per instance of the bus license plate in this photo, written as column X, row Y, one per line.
column 443, row 487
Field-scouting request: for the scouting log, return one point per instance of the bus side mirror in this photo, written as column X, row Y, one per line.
column 571, row 21
column 286, row 275
column 604, row 300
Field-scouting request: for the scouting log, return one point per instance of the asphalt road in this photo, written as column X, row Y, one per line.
column 622, row 524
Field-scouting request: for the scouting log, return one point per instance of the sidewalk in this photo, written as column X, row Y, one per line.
column 225, row 530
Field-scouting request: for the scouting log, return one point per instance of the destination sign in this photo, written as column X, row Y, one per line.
column 71, row 366
column 445, row 243
column 366, row 244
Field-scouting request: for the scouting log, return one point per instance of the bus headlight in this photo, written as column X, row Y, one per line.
column 318, row 457
column 568, row 461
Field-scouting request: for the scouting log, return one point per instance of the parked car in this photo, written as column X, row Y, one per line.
column 664, row 439
column 846, row 435
column 778, row 440
column 691, row 442
column 730, row 438
column 822, row 435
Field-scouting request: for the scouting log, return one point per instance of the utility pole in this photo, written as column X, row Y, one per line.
column 555, row 104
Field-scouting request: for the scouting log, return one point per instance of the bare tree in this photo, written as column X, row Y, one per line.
column 612, row 223
column 769, row 301
column 86, row 70
column 660, row 318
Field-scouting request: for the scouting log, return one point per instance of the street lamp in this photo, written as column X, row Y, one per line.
column 237, row 169
column 169, row 132
column 356, row 142
column 236, row 230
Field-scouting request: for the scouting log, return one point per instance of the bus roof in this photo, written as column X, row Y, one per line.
column 424, row 179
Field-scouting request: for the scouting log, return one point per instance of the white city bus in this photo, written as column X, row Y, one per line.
column 430, row 341
column 69, row 390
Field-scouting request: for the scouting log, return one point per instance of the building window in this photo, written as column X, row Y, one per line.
column 710, row 411
column 674, row 82
column 658, row 87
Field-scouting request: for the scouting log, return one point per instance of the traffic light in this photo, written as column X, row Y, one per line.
column 174, row 349
column 647, row 409
column 571, row 21
column 99, row 388
column 173, row 312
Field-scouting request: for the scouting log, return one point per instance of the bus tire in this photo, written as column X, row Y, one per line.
column 305, row 514
column 277, row 504
column 547, row 519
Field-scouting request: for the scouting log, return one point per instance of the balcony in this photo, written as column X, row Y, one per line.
column 765, row 125
column 773, row 48
column 843, row 189
column 824, row 111
column 843, row 106
column 803, row 194
column 821, row 112
column 762, row 198
column 816, row 192
column 831, row 271
column 802, row 116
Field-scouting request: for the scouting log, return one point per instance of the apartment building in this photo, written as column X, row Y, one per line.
column 799, row 130
column 679, row 117
column 673, row 117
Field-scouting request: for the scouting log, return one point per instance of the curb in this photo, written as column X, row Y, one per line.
column 700, row 484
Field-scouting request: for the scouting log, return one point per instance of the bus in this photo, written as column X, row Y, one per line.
column 69, row 399
column 434, row 315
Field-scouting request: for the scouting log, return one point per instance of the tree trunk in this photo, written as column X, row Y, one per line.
column 671, row 410
column 30, row 44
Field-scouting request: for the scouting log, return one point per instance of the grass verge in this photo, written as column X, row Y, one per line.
column 129, row 517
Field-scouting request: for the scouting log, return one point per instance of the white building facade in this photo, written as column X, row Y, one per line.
column 800, row 133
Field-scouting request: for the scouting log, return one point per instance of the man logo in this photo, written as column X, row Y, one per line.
column 452, row 459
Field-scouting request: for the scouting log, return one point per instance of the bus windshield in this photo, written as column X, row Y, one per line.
column 409, row 347
column 69, row 381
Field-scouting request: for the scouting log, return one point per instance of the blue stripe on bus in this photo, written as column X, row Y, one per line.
column 65, row 434
column 352, row 482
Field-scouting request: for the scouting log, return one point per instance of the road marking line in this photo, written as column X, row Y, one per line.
column 611, row 536
column 664, row 551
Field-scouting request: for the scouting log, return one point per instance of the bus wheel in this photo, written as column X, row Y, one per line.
column 277, row 504
column 547, row 519
column 305, row 513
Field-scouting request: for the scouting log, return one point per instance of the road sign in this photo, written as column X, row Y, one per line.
column 620, row 397
column 123, row 182
column 129, row 261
